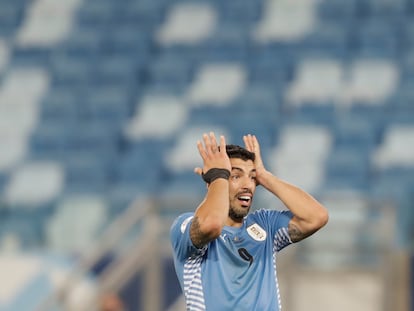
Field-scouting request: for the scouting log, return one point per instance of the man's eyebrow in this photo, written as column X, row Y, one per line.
column 241, row 170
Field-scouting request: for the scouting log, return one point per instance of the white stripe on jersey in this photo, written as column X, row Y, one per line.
column 280, row 240
column 193, row 287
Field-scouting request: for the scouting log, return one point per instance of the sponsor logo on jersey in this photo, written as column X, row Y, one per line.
column 256, row 232
column 185, row 223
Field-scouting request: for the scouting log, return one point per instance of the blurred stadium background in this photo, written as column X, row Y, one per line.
column 102, row 101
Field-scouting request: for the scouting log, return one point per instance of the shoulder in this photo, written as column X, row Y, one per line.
column 270, row 218
column 269, row 213
column 181, row 221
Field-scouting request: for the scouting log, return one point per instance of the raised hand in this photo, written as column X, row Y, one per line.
column 213, row 154
column 252, row 144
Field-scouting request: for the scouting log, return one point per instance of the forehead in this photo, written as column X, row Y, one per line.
column 246, row 166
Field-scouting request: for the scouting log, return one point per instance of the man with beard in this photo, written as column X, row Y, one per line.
column 224, row 256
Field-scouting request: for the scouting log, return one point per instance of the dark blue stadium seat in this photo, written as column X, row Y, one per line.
column 26, row 226
column 60, row 105
column 329, row 39
column 96, row 138
column 87, row 173
column 111, row 59
column 11, row 16
column 70, row 71
column 348, row 168
column 111, row 105
column 242, row 11
column 49, row 140
column 337, row 10
column 170, row 69
column 356, row 132
column 139, row 166
column 376, row 37
column 4, row 176
column 97, row 13
column 33, row 56
column 382, row 8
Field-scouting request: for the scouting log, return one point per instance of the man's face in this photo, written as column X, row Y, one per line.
column 242, row 185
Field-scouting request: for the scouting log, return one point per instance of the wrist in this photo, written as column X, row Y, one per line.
column 215, row 173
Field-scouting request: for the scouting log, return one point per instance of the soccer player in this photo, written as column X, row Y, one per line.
column 224, row 256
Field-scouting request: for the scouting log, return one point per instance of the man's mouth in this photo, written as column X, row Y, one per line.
column 245, row 200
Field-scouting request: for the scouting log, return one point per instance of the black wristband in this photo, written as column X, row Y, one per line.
column 214, row 173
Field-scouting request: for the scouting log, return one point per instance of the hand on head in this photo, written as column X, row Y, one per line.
column 213, row 153
column 252, row 144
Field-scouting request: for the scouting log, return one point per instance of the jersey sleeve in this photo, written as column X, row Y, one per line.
column 181, row 242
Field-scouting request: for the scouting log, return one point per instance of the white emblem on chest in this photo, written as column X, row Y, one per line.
column 256, row 232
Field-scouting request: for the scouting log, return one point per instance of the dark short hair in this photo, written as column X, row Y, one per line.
column 235, row 151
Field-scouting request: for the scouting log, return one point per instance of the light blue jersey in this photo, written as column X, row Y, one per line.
column 236, row 271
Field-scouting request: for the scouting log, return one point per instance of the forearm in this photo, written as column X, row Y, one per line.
column 211, row 214
column 216, row 203
column 304, row 206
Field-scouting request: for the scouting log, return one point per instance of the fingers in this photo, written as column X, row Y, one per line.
column 212, row 152
column 213, row 142
column 201, row 150
column 210, row 143
column 210, row 146
column 250, row 142
column 222, row 144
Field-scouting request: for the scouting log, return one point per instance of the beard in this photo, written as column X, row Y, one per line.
column 238, row 214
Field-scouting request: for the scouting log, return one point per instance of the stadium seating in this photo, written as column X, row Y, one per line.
column 106, row 101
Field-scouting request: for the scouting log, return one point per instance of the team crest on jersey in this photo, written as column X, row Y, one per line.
column 185, row 223
column 256, row 232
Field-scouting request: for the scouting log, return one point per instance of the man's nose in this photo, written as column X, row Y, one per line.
column 248, row 183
